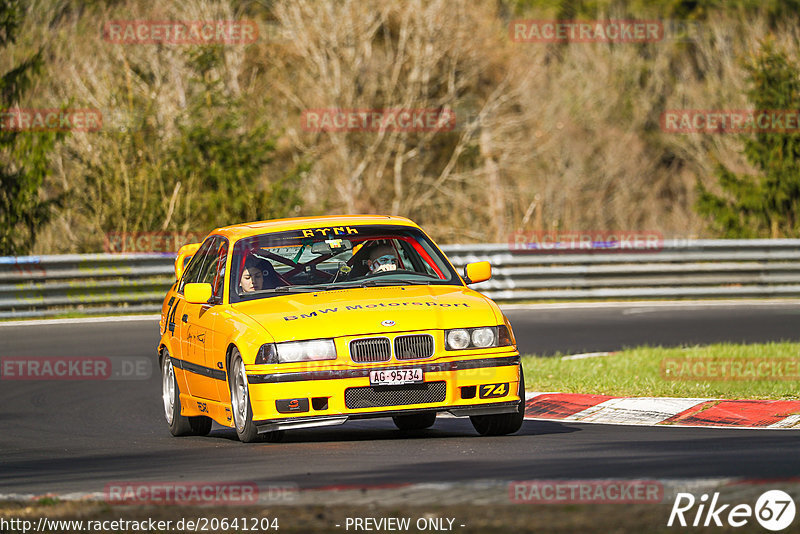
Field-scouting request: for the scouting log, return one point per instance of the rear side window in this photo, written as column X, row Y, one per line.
column 213, row 271
column 196, row 264
column 208, row 266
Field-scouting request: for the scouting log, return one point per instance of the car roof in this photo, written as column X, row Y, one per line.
column 238, row 231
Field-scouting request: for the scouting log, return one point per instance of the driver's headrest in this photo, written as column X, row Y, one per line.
column 252, row 261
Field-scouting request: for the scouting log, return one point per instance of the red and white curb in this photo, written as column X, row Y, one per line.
column 663, row 411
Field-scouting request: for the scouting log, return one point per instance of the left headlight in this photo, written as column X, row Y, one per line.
column 297, row 351
column 477, row 338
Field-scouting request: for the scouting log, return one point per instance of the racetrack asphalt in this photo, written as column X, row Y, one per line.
column 547, row 330
column 79, row 436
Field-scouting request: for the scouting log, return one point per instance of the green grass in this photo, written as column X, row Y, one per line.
column 642, row 372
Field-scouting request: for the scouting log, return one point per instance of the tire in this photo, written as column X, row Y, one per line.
column 417, row 421
column 240, row 405
column 179, row 425
column 504, row 423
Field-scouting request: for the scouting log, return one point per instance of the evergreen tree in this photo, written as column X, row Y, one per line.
column 766, row 205
column 215, row 170
column 24, row 156
column 225, row 154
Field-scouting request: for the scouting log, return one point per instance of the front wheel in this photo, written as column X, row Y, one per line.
column 504, row 423
column 179, row 425
column 240, row 404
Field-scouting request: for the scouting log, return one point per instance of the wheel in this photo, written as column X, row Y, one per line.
column 179, row 425
column 417, row 421
column 240, row 405
column 504, row 423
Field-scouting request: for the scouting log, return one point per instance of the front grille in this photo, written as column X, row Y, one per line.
column 413, row 347
column 371, row 349
column 378, row 396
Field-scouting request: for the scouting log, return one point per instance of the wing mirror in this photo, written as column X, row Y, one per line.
column 197, row 293
column 479, row 271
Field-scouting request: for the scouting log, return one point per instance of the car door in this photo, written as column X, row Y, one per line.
column 175, row 323
column 213, row 346
column 197, row 324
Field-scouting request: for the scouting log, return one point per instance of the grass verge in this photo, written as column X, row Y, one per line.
column 729, row 371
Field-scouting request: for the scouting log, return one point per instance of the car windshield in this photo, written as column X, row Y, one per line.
column 319, row 259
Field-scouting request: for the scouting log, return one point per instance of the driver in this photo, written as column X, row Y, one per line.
column 382, row 259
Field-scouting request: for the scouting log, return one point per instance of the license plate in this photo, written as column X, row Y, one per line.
column 395, row 377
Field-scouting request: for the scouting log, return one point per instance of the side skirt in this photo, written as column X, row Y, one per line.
column 218, row 411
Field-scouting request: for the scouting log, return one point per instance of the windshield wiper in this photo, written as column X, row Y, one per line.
column 295, row 289
column 372, row 282
column 331, row 287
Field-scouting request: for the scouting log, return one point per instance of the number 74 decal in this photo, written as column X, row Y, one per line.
column 488, row 391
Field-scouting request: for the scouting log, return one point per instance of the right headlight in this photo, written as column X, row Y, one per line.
column 297, row 351
column 457, row 339
column 477, row 338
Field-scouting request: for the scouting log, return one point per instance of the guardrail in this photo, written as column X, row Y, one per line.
column 40, row 286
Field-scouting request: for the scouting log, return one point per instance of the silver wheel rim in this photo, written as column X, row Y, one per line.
column 239, row 395
column 168, row 389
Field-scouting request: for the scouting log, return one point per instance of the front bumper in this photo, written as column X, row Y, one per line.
column 332, row 420
column 481, row 385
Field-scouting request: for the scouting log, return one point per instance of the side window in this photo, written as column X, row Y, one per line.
column 402, row 254
column 413, row 260
column 213, row 271
column 209, row 268
column 196, row 263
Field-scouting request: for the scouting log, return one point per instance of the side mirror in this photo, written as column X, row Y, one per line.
column 185, row 253
column 197, row 293
column 480, row 271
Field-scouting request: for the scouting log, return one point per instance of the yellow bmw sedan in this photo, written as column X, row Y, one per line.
column 307, row 322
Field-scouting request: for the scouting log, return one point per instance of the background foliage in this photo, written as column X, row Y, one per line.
column 24, row 156
column 766, row 204
column 548, row 136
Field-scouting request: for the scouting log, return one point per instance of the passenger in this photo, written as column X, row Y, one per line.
column 252, row 275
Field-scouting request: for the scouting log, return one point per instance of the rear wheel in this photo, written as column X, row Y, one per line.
column 240, row 405
column 417, row 421
column 504, row 423
column 179, row 425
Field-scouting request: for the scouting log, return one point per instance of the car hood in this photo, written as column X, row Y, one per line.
column 370, row 310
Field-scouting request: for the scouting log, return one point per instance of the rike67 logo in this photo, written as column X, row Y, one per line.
column 774, row 510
